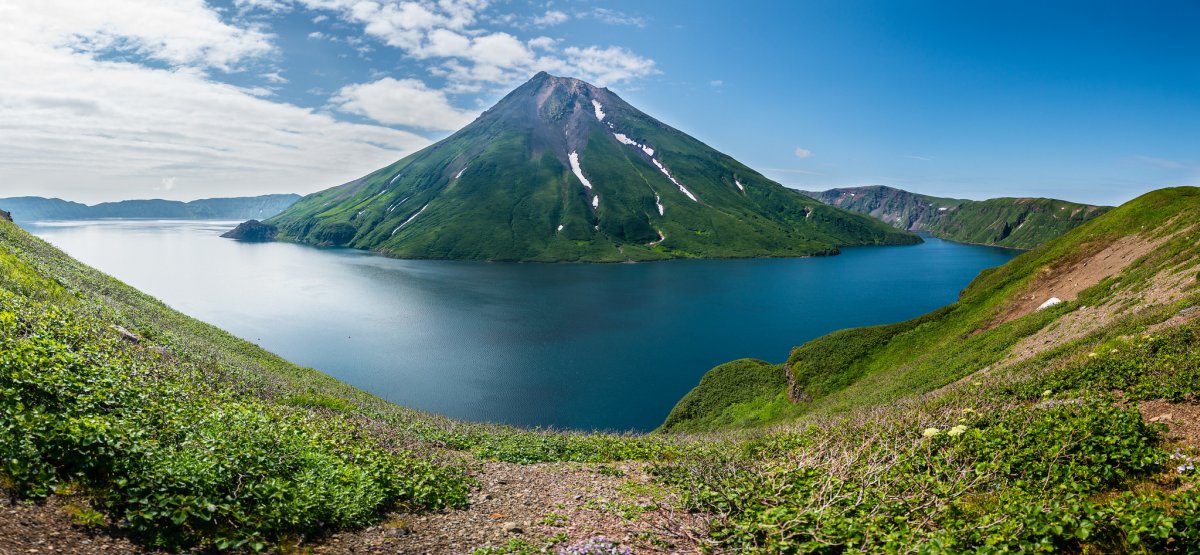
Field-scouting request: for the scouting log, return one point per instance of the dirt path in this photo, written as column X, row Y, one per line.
column 536, row 503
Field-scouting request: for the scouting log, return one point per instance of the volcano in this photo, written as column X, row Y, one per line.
column 561, row 170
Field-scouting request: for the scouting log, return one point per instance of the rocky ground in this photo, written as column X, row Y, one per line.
column 539, row 504
column 548, row 506
column 51, row 527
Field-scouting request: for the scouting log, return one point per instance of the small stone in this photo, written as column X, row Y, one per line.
column 511, row 528
column 487, row 497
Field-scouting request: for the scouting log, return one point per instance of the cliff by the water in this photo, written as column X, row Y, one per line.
column 252, row 231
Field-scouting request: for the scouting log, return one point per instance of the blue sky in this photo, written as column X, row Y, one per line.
column 1087, row 101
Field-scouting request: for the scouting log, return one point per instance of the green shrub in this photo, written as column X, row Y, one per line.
column 179, row 464
column 1011, row 480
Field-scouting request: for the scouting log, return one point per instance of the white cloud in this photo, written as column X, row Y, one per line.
column 803, row 152
column 552, row 17
column 269, row 5
column 317, row 35
column 605, row 66
column 402, row 102
column 179, row 32
column 542, row 43
column 85, row 129
column 471, row 58
column 614, row 17
column 716, row 83
column 274, row 77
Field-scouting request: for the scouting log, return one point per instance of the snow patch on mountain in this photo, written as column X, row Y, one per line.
column 574, row 158
column 410, row 218
column 667, row 173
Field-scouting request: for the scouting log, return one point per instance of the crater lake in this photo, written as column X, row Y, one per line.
column 583, row 346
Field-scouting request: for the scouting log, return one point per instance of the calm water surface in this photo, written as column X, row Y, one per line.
column 590, row 346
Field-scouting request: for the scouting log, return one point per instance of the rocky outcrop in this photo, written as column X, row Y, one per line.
column 252, row 231
column 5, row 216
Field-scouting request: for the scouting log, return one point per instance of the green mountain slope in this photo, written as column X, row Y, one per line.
column 142, row 421
column 32, row 209
column 1021, row 223
column 1137, row 261
column 561, row 170
column 181, row 435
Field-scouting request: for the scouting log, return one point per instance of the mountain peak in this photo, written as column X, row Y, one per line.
column 560, row 169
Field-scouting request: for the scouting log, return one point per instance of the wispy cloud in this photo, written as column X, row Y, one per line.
column 792, row 170
column 1162, row 163
column 803, row 152
column 550, row 18
column 614, row 17
column 921, row 158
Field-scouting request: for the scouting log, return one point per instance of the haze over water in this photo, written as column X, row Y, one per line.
column 587, row 346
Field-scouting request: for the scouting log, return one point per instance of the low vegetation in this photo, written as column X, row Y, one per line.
column 943, row 434
column 186, row 436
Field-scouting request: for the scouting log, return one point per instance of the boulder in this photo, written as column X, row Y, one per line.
column 1050, row 302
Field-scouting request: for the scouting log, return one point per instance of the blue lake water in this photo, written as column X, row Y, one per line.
column 586, row 346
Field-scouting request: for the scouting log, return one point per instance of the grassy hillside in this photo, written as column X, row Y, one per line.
column 188, row 436
column 876, row 365
column 985, row 427
column 1021, row 223
column 505, row 188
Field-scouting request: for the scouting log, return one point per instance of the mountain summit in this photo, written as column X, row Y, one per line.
column 562, row 170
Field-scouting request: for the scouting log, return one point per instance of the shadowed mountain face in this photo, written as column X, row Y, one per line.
column 31, row 209
column 1021, row 223
column 562, row 170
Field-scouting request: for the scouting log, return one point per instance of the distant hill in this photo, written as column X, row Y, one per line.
column 1021, row 223
column 560, row 170
column 32, row 209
